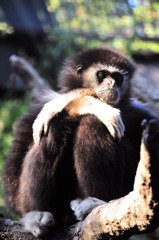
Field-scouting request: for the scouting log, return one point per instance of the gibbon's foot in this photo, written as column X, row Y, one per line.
column 37, row 222
column 151, row 134
column 82, row 208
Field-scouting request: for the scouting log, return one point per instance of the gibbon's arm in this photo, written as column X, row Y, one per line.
column 79, row 102
column 107, row 114
column 54, row 106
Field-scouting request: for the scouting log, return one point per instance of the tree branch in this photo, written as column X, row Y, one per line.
column 29, row 75
column 133, row 214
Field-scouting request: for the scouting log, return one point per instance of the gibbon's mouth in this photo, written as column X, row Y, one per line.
column 109, row 96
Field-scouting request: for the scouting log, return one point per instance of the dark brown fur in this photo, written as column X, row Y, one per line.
column 79, row 157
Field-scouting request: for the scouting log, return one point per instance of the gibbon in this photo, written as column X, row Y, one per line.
column 87, row 142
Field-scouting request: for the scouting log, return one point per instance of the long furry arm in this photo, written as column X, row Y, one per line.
column 107, row 114
column 79, row 102
column 52, row 107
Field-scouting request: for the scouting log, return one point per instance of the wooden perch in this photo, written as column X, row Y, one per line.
column 135, row 213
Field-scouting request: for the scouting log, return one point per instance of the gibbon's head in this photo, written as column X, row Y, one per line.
column 104, row 70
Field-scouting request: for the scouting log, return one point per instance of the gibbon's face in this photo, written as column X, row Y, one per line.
column 109, row 83
column 106, row 71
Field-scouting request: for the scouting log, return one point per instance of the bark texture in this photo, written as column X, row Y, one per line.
column 135, row 213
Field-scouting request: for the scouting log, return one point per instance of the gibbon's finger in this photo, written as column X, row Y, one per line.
column 37, row 131
column 34, row 132
column 111, row 129
column 121, row 127
column 47, row 121
column 118, row 133
column 39, row 134
column 46, row 126
column 36, row 137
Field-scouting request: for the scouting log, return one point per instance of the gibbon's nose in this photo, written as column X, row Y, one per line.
column 110, row 83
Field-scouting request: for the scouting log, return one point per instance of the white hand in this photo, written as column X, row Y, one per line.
column 51, row 108
column 41, row 123
column 109, row 115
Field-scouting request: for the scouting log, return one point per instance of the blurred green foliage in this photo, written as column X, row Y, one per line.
column 10, row 110
column 128, row 26
column 99, row 20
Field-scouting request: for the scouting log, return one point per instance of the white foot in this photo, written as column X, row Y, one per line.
column 82, row 208
column 37, row 222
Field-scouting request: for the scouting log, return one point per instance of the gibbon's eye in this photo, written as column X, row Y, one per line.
column 118, row 77
column 79, row 69
column 101, row 75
